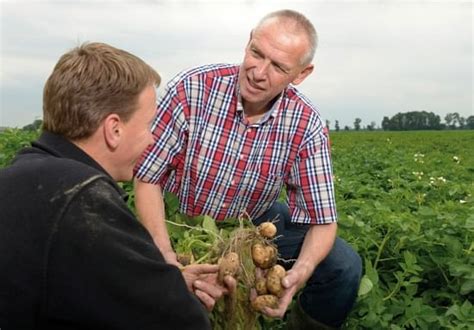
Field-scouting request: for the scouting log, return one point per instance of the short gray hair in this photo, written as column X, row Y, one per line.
column 300, row 22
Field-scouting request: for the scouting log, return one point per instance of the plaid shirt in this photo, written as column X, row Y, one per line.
column 218, row 164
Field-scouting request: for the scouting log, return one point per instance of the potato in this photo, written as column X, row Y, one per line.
column 266, row 300
column 185, row 258
column 277, row 271
column 274, row 277
column 228, row 265
column 267, row 229
column 261, row 286
column 264, row 256
column 258, row 253
column 274, row 285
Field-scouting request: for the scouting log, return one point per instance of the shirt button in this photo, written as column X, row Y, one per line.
column 241, row 156
column 232, row 182
column 249, row 130
column 224, row 205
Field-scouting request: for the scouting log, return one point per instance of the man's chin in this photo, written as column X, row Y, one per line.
column 251, row 97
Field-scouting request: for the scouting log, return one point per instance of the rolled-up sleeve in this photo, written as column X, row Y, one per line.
column 310, row 195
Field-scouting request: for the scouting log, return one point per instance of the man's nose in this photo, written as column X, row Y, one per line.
column 261, row 70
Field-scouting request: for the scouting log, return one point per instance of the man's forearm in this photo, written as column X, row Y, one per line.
column 317, row 244
column 151, row 212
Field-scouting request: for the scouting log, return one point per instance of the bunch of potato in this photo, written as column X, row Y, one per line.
column 268, row 287
column 268, row 274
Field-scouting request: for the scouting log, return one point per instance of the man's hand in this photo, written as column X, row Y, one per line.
column 319, row 238
column 292, row 282
column 202, row 280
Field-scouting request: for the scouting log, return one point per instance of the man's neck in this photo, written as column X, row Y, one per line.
column 95, row 147
column 255, row 111
column 253, row 119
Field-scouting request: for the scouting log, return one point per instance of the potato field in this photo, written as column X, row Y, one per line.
column 405, row 203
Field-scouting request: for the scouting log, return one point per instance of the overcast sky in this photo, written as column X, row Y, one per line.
column 375, row 58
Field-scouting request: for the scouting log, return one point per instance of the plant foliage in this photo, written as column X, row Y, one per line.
column 405, row 203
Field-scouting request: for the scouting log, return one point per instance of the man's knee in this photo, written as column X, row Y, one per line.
column 352, row 269
column 332, row 289
column 342, row 264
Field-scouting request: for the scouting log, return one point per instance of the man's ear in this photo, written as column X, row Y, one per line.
column 112, row 127
column 303, row 74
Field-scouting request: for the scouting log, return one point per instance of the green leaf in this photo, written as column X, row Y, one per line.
column 426, row 211
column 466, row 308
column 467, row 287
column 366, row 286
column 370, row 272
column 172, row 204
column 470, row 223
column 209, row 224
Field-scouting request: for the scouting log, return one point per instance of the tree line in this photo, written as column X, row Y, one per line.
column 407, row 121
column 413, row 120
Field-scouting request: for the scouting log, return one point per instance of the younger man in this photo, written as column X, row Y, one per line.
column 73, row 256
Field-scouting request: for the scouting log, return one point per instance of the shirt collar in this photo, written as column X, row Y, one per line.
column 270, row 114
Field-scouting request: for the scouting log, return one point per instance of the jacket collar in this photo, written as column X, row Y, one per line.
column 59, row 146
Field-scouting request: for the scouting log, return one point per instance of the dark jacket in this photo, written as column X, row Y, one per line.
column 73, row 256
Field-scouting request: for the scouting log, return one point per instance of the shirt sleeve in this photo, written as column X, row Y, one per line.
column 310, row 189
column 105, row 272
column 163, row 159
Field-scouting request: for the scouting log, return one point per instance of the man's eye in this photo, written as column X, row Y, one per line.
column 256, row 53
column 279, row 69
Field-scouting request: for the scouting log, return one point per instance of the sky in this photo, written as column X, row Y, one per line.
column 374, row 58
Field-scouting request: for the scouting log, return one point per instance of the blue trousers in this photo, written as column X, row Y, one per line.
column 331, row 291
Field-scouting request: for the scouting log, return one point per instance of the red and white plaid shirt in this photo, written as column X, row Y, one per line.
column 218, row 164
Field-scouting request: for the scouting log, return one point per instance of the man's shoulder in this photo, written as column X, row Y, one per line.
column 31, row 166
column 209, row 71
column 48, row 183
column 296, row 100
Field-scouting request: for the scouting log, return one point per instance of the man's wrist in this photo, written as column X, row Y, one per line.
column 304, row 267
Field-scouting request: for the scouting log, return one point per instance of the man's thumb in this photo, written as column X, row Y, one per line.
column 289, row 280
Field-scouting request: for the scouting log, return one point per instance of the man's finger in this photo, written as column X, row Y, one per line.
column 290, row 279
column 230, row 283
column 205, row 299
column 275, row 313
column 214, row 291
column 278, row 312
column 204, row 268
column 283, row 304
column 253, row 294
column 258, row 272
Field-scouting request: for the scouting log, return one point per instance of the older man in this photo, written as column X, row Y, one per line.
column 230, row 138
